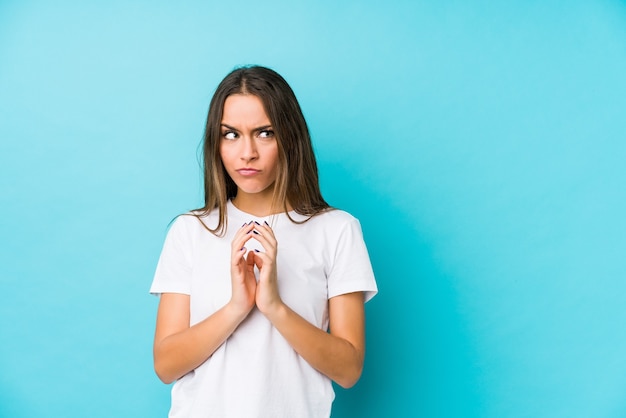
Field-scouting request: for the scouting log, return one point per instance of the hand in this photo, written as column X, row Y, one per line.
column 242, row 271
column 267, row 297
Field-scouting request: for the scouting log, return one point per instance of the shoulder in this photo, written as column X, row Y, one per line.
column 333, row 224
column 193, row 222
column 334, row 217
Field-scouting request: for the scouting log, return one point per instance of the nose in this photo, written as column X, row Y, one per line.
column 249, row 150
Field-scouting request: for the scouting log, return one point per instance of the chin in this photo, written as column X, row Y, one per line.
column 254, row 187
column 253, row 190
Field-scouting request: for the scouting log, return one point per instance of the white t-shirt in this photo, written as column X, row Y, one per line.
column 255, row 372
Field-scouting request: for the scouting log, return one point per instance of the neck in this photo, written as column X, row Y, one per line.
column 257, row 204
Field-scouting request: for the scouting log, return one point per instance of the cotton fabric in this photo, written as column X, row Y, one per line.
column 255, row 372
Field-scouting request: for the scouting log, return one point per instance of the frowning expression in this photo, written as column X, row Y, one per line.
column 248, row 145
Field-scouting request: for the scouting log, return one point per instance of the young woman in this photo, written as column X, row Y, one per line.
column 262, row 289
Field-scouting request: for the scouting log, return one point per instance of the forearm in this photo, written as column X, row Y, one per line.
column 331, row 355
column 181, row 352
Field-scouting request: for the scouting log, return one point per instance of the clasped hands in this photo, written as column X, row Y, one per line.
column 246, row 290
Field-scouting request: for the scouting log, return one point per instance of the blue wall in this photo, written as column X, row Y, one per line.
column 482, row 146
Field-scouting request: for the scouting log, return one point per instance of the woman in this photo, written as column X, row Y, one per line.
column 262, row 289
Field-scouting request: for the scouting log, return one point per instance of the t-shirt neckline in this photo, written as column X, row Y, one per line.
column 235, row 212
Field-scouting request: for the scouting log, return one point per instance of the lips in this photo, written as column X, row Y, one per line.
column 246, row 172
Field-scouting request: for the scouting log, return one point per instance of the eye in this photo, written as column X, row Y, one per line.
column 266, row 133
column 230, row 135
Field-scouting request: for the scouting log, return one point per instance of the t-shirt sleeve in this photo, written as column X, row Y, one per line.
column 351, row 269
column 173, row 271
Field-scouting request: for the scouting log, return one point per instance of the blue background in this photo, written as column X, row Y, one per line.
column 481, row 144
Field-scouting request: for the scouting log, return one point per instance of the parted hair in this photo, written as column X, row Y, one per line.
column 297, row 181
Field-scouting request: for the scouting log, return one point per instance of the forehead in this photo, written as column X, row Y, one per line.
column 244, row 109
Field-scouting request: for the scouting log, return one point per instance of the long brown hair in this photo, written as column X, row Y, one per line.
column 297, row 182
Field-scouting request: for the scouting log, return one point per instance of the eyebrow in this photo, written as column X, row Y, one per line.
column 260, row 128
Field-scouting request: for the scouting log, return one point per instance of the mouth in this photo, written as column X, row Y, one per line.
column 248, row 171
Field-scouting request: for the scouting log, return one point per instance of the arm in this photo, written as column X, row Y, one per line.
column 338, row 354
column 178, row 347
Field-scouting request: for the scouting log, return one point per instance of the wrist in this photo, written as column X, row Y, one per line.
column 236, row 311
column 275, row 311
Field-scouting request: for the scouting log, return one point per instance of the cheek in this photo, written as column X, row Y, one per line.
column 275, row 158
column 275, row 164
column 225, row 158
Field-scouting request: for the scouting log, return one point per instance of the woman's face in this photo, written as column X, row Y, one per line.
column 248, row 145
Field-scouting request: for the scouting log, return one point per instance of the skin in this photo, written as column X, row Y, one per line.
column 248, row 141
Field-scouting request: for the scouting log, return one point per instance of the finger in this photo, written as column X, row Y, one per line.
column 267, row 269
column 241, row 237
column 261, row 258
column 264, row 229
column 243, row 231
column 269, row 244
column 238, row 256
column 237, row 259
column 251, row 259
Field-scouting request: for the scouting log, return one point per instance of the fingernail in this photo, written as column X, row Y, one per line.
column 243, row 249
column 266, row 223
column 256, row 233
column 257, row 223
column 250, row 223
column 244, row 224
column 256, row 251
